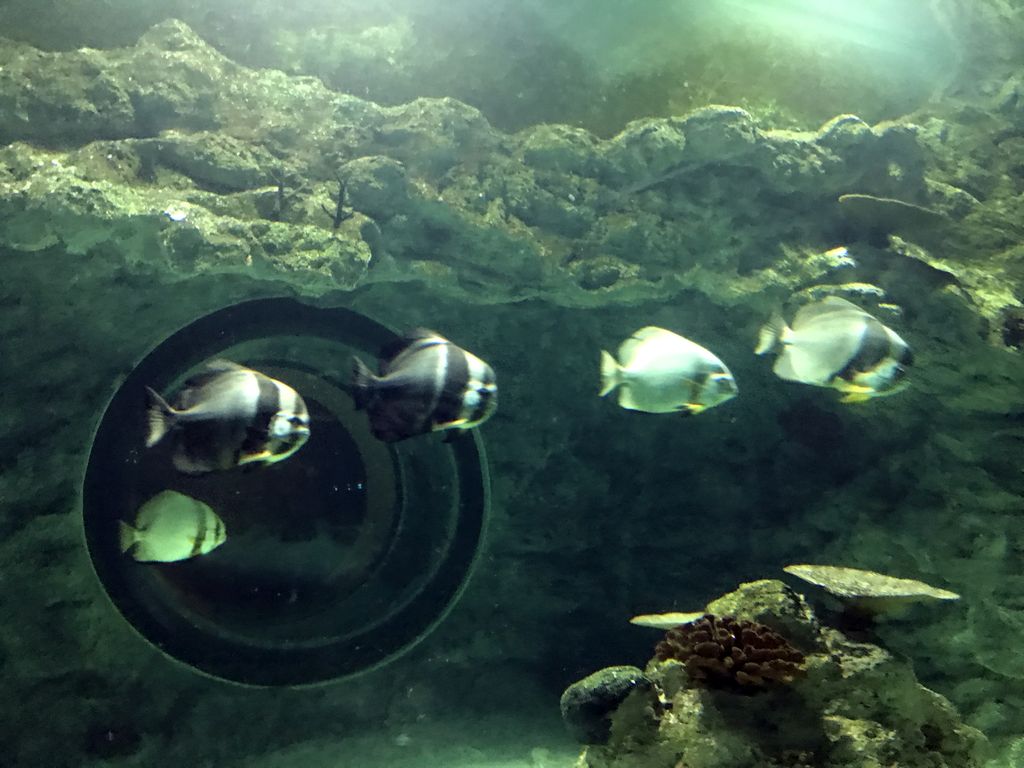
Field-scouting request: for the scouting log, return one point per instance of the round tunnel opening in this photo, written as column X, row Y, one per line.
column 334, row 560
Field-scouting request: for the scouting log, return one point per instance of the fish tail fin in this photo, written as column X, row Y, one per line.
column 160, row 415
column 771, row 335
column 363, row 381
column 611, row 373
column 126, row 535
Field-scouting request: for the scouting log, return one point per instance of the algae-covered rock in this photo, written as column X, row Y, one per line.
column 434, row 135
column 587, row 705
column 876, row 217
column 843, row 131
column 210, row 159
column 1011, row 757
column 708, row 202
column 721, row 132
column 857, row 706
column 873, row 709
column 166, row 81
column 646, row 150
column 54, row 97
column 376, row 185
column 772, row 603
column 560, row 149
column 160, row 230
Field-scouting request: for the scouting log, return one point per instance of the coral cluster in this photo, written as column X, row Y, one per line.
column 725, row 652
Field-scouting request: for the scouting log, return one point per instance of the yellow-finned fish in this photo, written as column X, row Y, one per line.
column 171, row 527
column 662, row 372
column 834, row 343
column 424, row 383
column 228, row 416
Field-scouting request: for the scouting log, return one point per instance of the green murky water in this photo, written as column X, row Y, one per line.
column 289, row 185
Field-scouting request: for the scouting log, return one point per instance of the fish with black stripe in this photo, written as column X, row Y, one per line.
column 834, row 343
column 658, row 371
column 424, row 383
column 228, row 416
column 171, row 527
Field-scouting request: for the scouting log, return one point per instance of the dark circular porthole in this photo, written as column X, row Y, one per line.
column 336, row 560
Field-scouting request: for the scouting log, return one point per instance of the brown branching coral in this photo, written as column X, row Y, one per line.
column 725, row 652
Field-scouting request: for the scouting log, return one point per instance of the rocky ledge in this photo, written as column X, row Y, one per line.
column 171, row 158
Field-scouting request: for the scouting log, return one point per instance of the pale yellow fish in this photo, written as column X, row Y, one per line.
column 171, row 527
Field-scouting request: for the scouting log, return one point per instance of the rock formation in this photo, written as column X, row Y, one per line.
column 857, row 706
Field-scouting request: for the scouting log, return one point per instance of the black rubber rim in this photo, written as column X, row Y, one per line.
column 240, row 663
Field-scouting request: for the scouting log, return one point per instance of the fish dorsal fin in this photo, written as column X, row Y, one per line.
column 220, row 365
column 393, row 349
column 830, row 305
column 211, row 371
column 629, row 347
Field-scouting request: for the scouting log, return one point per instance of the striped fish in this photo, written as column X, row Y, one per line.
column 424, row 383
column 834, row 343
column 228, row 416
column 171, row 527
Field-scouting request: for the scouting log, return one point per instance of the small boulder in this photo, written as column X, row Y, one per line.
column 377, row 186
column 588, row 704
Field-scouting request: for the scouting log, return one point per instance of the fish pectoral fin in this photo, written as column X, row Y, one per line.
column 848, row 386
column 249, row 458
column 144, row 552
column 857, row 397
column 692, row 409
column 450, row 424
column 855, row 393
